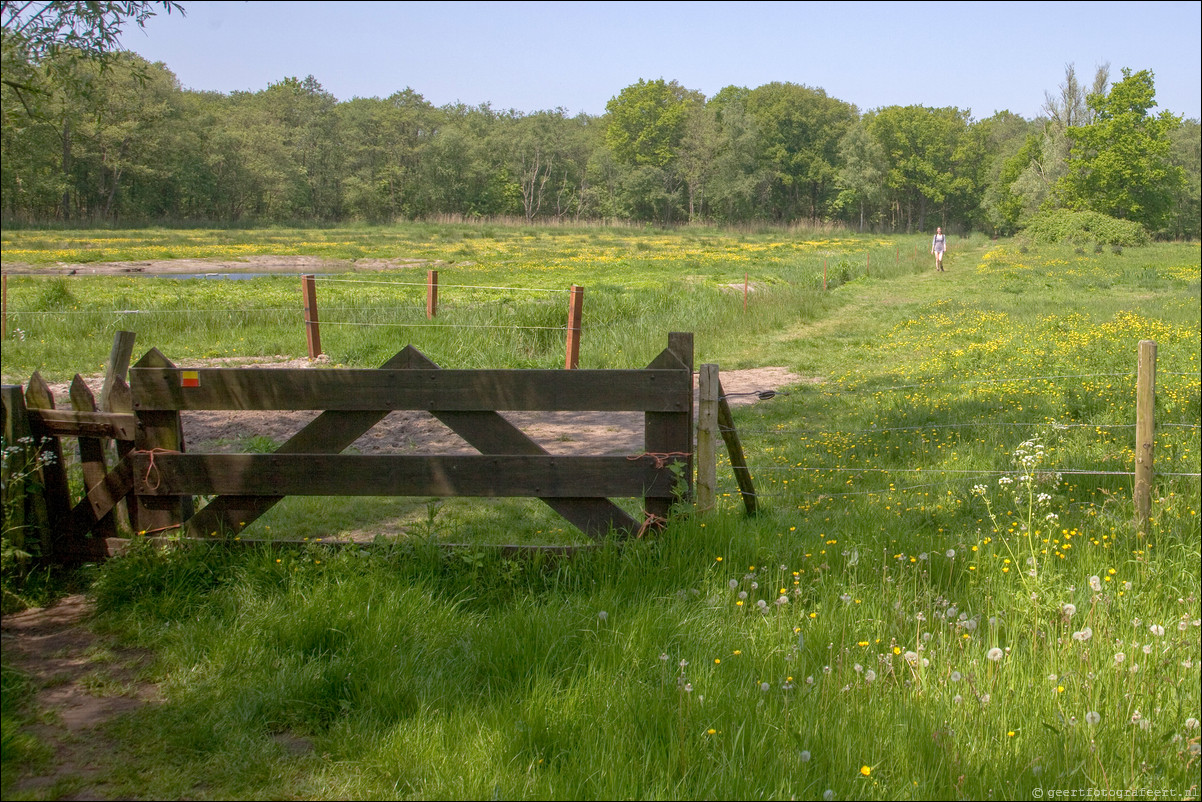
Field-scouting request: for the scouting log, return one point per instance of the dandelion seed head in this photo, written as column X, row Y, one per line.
column 994, row 654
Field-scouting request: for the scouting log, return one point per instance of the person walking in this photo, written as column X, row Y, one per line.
column 938, row 246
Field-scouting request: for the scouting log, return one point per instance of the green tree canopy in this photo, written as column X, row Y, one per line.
column 1120, row 164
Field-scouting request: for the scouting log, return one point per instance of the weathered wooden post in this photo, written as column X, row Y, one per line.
column 54, row 472
column 669, row 432
column 159, row 431
column 22, row 511
column 91, row 456
column 575, row 311
column 117, row 367
column 431, row 294
column 707, row 438
column 1145, row 430
column 312, row 332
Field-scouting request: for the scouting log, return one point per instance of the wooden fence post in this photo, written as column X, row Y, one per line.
column 867, row 264
column 91, row 457
column 116, row 367
column 665, row 432
column 54, row 473
column 707, row 440
column 1145, row 430
column 575, row 311
column 312, row 331
column 431, row 294
column 159, row 431
column 30, row 511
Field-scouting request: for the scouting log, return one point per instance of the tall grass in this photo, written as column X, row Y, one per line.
column 898, row 620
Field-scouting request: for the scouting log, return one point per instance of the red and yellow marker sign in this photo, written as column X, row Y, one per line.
column 190, row 378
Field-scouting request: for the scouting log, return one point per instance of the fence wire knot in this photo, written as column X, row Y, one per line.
column 661, row 457
column 652, row 521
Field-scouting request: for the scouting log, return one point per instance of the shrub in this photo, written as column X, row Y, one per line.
column 1081, row 228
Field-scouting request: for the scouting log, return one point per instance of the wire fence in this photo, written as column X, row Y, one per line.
column 795, row 478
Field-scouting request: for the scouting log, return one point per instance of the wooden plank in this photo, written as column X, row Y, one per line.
column 175, row 474
column 672, row 432
column 158, row 432
column 328, row 433
column 102, row 500
column 162, row 388
column 116, row 368
column 490, row 433
column 707, row 437
column 120, row 402
column 18, row 435
column 734, row 447
column 54, row 473
column 79, row 423
column 91, row 458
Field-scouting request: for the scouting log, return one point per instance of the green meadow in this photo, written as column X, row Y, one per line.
column 942, row 596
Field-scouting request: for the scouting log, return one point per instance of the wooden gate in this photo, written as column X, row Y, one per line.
column 166, row 478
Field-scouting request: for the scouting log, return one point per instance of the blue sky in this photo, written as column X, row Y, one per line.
column 541, row 55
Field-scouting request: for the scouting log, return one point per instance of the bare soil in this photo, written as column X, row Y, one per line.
column 80, row 683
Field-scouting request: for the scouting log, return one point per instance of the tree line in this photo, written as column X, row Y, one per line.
column 118, row 140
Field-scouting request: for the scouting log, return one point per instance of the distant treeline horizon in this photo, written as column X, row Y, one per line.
column 118, row 141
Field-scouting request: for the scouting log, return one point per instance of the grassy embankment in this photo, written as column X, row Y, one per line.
column 937, row 639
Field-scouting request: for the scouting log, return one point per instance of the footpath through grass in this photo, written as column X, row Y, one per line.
column 943, row 597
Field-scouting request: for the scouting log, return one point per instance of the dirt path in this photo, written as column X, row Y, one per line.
column 80, row 684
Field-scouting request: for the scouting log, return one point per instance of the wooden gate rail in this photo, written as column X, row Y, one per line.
column 467, row 401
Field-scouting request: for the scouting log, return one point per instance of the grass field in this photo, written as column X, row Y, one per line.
column 943, row 597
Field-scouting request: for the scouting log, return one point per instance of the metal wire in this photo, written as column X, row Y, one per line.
column 440, row 286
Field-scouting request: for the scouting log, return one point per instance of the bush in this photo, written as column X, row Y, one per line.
column 1081, row 228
